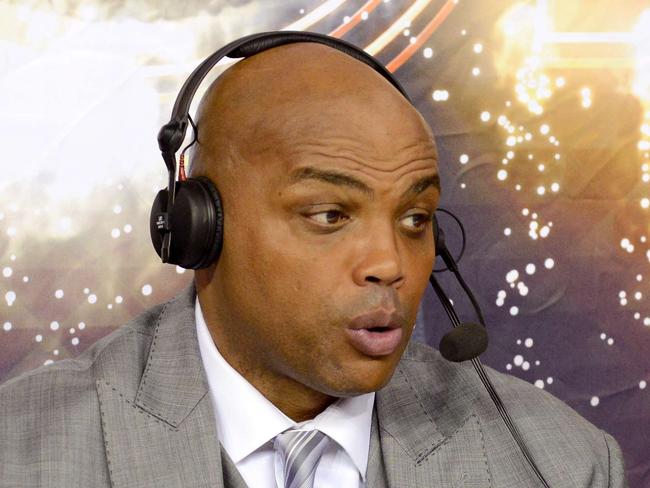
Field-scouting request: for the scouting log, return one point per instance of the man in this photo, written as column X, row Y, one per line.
column 328, row 178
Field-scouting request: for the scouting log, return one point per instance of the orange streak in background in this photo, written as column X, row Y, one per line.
column 397, row 26
column 430, row 28
column 342, row 29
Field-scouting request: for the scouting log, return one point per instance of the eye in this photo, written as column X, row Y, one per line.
column 327, row 217
column 420, row 221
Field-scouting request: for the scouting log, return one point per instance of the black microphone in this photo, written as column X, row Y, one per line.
column 467, row 341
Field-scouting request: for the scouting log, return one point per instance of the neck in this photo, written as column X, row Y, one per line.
column 294, row 399
column 298, row 403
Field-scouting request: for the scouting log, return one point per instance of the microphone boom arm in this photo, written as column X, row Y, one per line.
column 476, row 363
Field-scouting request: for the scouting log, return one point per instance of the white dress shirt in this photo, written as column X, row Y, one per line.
column 247, row 423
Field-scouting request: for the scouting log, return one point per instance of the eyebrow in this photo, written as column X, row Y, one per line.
column 342, row 179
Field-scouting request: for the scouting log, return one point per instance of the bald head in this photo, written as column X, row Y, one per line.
column 264, row 103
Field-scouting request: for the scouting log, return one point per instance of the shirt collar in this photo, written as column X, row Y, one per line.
column 246, row 419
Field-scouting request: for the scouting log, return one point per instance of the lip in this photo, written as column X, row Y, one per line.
column 375, row 343
column 376, row 318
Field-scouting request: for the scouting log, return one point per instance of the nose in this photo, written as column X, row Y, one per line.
column 380, row 261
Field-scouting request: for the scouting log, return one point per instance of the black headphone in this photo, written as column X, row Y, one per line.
column 186, row 220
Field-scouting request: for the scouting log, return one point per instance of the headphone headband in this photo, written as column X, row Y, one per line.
column 171, row 134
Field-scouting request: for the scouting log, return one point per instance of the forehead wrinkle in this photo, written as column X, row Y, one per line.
column 316, row 125
column 329, row 176
column 331, row 151
column 342, row 179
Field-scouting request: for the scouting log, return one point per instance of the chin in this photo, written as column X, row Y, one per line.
column 361, row 379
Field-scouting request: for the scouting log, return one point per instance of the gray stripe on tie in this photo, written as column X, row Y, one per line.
column 302, row 451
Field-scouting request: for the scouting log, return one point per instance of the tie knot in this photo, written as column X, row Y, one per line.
column 300, row 451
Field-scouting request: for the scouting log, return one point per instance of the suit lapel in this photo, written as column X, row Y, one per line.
column 376, row 471
column 428, row 436
column 232, row 478
column 163, row 434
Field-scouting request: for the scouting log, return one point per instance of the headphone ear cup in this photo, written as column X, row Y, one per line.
column 196, row 223
column 159, row 207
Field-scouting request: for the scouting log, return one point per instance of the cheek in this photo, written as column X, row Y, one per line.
column 274, row 273
column 292, row 258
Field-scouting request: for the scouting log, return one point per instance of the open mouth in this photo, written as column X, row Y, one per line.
column 379, row 329
column 375, row 341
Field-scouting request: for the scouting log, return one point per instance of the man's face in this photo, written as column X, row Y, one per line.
column 330, row 221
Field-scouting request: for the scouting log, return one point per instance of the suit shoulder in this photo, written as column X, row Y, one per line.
column 32, row 389
column 550, row 427
column 525, row 402
column 58, row 405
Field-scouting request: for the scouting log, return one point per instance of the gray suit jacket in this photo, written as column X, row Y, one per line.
column 133, row 411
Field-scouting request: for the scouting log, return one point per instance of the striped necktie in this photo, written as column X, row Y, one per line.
column 300, row 452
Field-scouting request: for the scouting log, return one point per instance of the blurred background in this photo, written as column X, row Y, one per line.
column 541, row 111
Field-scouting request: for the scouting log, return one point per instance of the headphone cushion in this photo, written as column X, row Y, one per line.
column 216, row 230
